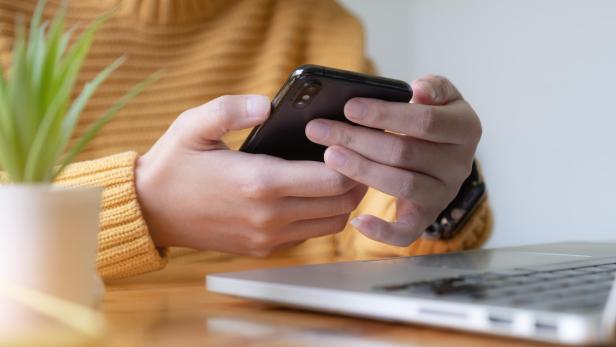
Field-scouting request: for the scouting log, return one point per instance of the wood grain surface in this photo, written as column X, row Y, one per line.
column 173, row 308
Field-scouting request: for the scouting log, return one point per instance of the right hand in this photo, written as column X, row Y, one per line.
column 195, row 192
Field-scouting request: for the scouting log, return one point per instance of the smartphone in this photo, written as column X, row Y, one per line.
column 311, row 92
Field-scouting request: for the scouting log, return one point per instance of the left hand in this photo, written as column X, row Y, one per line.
column 422, row 158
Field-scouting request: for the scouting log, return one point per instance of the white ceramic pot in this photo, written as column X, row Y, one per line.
column 48, row 242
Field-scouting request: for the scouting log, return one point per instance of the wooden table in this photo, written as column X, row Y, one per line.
column 173, row 308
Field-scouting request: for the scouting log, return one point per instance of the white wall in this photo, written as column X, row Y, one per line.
column 542, row 77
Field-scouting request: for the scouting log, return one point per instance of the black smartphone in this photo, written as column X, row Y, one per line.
column 311, row 92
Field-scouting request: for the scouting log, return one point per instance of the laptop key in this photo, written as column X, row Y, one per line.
column 569, row 289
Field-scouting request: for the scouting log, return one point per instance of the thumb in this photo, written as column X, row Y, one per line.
column 205, row 125
column 434, row 90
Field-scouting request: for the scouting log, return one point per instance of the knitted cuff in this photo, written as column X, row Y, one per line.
column 124, row 244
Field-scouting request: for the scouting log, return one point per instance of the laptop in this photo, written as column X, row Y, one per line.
column 560, row 292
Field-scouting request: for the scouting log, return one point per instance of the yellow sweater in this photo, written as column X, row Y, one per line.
column 208, row 48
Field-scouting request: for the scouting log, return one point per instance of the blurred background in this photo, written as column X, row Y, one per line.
column 542, row 77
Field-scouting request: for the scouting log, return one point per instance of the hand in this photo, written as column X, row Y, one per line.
column 195, row 192
column 422, row 158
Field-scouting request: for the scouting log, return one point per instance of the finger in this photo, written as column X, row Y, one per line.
column 400, row 183
column 309, row 229
column 271, row 177
column 294, row 209
column 400, row 233
column 455, row 123
column 390, row 149
column 207, row 123
column 434, row 90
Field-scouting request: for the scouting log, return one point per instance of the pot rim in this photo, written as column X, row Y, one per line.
column 47, row 188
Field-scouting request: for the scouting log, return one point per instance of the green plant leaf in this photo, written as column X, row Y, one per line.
column 57, row 44
column 18, row 91
column 95, row 128
column 47, row 141
column 7, row 136
column 77, row 52
column 36, row 161
column 37, row 118
column 72, row 116
column 38, row 164
column 38, row 47
column 35, row 22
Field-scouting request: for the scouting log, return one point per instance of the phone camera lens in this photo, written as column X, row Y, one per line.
column 307, row 93
column 311, row 89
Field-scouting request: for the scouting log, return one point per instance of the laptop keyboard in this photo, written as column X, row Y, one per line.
column 569, row 288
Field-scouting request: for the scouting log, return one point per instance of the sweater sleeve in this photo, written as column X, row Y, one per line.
column 124, row 244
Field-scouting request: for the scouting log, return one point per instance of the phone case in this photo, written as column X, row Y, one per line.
column 283, row 134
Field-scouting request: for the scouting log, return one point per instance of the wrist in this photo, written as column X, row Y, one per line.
column 145, row 190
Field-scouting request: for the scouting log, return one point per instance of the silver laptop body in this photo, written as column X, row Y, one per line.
column 555, row 292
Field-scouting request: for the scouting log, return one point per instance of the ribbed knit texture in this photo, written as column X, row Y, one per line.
column 207, row 48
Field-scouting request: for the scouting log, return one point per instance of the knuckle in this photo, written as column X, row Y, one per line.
column 428, row 121
column 401, row 151
column 254, row 190
column 224, row 109
column 430, row 215
column 465, row 170
column 335, row 225
column 223, row 104
column 340, row 184
column 344, row 138
column 440, row 80
column 429, row 77
column 425, row 214
column 341, row 223
column 456, row 173
column 355, row 166
column 477, row 127
column 408, row 186
column 358, row 196
column 264, row 219
column 185, row 114
column 441, row 83
column 375, row 112
column 260, row 244
column 183, row 120
column 256, row 187
column 349, row 202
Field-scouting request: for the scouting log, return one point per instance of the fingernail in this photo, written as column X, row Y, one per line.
column 317, row 130
column 257, row 106
column 356, row 109
column 336, row 158
column 427, row 87
column 357, row 221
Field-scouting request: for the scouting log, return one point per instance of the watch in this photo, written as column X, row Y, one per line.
column 458, row 212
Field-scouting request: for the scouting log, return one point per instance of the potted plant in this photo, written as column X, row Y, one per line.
column 48, row 233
